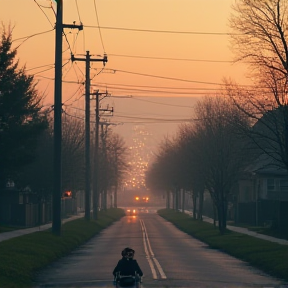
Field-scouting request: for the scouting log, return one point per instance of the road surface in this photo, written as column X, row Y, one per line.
column 168, row 257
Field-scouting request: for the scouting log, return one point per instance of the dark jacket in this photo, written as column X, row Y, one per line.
column 127, row 266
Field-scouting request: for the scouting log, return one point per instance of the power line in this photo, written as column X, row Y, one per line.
column 74, row 94
column 97, row 18
column 171, row 78
column 75, row 39
column 172, row 59
column 49, row 65
column 78, row 69
column 46, row 69
column 157, row 119
column 169, row 120
column 164, row 77
column 64, row 81
column 55, row 14
column 74, row 116
column 155, row 102
column 149, row 86
column 151, row 91
column 69, row 47
column 67, row 71
column 76, row 2
column 161, row 31
column 30, row 36
column 145, row 114
column 43, row 70
column 97, row 73
column 40, row 7
column 76, row 108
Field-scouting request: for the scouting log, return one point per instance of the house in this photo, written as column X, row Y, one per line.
column 18, row 208
column 263, row 194
column 25, row 208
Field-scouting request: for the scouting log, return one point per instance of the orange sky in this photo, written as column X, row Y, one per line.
column 200, row 51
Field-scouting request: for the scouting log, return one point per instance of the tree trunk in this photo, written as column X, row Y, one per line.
column 215, row 214
column 183, row 200
column 115, row 195
column 222, row 213
column 168, row 199
column 194, row 197
column 105, row 199
column 176, row 200
column 200, row 210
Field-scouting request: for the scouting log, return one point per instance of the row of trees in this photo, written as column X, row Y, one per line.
column 26, row 137
column 113, row 165
column 208, row 153
column 232, row 130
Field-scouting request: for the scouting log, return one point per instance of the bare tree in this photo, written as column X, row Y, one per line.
column 193, row 177
column 260, row 30
column 166, row 171
column 117, row 153
column 39, row 174
column 220, row 150
column 209, row 153
column 73, row 154
column 260, row 39
column 113, row 164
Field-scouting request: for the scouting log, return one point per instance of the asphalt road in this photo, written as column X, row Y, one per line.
column 167, row 256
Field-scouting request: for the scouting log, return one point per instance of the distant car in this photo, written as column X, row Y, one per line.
column 131, row 212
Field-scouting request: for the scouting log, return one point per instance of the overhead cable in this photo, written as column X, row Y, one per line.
column 160, row 31
column 173, row 59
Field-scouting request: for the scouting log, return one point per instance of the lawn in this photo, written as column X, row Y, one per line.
column 22, row 257
column 270, row 257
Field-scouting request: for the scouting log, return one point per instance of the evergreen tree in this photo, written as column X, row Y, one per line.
column 21, row 120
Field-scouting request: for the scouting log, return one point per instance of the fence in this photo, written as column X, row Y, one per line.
column 33, row 214
column 263, row 213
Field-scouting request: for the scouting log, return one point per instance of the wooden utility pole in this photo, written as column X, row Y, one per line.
column 103, row 140
column 57, row 184
column 96, row 154
column 96, row 157
column 87, row 60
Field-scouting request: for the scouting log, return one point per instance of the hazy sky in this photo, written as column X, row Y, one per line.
column 163, row 55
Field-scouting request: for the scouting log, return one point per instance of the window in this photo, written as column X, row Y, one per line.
column 270, row 184
column 284, row 185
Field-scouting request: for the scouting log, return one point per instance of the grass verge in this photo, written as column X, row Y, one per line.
column 270, row 257
column 23, row 256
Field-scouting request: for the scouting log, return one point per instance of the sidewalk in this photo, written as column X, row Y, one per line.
column 16, row 233
column 246, row 231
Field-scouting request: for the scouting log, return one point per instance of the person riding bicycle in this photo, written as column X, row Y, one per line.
column 127, row 266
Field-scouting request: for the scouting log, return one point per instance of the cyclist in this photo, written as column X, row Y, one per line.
column 128, row 266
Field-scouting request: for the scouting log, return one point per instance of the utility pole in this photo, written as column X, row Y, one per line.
column 87, row 60
column 96, row 155
column 103, row 139
column 57, row 184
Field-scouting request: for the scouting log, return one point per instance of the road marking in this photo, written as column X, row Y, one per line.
column 150, row 262
column 150, row 255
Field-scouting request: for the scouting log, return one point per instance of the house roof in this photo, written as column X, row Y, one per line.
column 264, row 165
